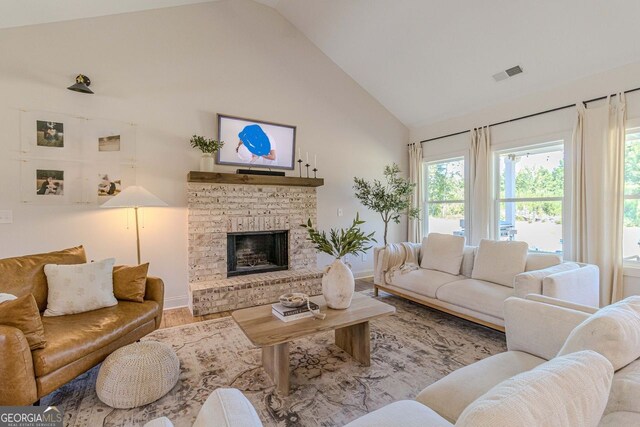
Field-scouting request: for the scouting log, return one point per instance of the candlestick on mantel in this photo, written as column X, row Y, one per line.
column 307, row 157
column 315, row 160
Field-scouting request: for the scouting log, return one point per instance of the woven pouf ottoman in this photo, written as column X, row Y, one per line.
column 137, row 374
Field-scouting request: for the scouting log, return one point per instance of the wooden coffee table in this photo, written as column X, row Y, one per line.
column 351, row 328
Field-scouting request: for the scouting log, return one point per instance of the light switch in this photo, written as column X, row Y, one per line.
column 339, row 211
column 6, row 217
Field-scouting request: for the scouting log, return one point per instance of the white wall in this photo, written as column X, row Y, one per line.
column 170, row 71
column 538, row 129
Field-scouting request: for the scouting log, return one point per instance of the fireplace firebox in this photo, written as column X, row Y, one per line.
column 257, row 252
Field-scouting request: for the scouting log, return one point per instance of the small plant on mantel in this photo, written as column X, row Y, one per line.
column 208, row 147
column 338, row 284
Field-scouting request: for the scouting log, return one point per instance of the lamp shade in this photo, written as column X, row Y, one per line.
column 133, row 197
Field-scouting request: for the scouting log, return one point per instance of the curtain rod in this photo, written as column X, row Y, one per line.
column 528, row 116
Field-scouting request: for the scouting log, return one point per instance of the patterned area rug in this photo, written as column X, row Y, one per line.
column 410, row 350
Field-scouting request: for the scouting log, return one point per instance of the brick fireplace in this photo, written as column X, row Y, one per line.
column 257, row 216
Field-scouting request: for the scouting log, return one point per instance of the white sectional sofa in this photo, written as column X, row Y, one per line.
column 566, row 365
column 473, row 282
column 539, row 329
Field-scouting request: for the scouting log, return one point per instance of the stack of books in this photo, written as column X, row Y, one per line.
column 288, row 314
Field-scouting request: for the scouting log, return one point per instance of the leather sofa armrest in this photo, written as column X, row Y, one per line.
column 538, row 328
column 155, row 292
column 18, row 384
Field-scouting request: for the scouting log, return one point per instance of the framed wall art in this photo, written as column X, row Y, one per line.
column 50, row 135
column 66, row 159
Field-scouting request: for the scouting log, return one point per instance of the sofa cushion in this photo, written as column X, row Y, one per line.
column 405, row 413
column 71, row 337
column 620, row 419
column 499, row 262
column 422, row 281
column 22, row 313
column 468, row 256
column 25, row 274
column 130, row 282
column 625, row 389
column 453, row 393
column 477, row 295
column 227, row 407
column 567, row 391
column 530, row 282
column 442, row 252
column 538, row 261
column 79, row 288
column 613, row 331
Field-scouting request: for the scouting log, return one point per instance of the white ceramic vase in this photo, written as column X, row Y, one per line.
column 206, row 162
column 338, row 285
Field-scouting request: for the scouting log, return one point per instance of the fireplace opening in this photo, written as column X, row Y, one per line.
column 257, row 252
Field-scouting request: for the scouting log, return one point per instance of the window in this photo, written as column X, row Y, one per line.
column 530, row 196
column 631, row 230
column 445, row 196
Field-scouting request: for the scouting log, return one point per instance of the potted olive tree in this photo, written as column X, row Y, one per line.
column 208, row 148
column 338, row 283
column 390, row 199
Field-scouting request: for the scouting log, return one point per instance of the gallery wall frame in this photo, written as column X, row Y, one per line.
column 67, row 159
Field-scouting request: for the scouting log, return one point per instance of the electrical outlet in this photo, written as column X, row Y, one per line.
column 6, row 217
column 340, row 213
column 364, row 257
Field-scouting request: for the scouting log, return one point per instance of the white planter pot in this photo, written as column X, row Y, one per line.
column 338, row 285
column 206, row 162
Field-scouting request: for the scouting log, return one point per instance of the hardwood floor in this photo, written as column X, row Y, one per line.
column 181, row 316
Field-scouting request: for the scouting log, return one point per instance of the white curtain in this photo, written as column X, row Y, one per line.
column 597, row 203
column 415, row 231
column 480, row 200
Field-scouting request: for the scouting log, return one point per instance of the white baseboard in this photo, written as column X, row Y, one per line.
column 365, row 274
column 176, row 302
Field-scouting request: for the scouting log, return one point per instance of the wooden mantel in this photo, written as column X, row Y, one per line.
column 232, row 178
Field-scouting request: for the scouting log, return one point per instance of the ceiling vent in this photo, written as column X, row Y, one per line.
column 510, row 72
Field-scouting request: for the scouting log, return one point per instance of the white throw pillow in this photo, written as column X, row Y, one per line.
column 442, row 252
column 7, row 297
column 499, row 262
column 613, row 331
column 538, row 261
column 566, row 391
column 78, row 288
column 468, row 255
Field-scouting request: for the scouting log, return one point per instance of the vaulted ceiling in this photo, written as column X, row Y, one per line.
column 428, row 60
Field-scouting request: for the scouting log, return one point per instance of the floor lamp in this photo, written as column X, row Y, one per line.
column 134, row 197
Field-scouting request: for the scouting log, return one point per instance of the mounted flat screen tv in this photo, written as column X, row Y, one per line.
column 255, row 143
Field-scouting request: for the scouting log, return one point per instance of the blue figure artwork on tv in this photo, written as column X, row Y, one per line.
column 254, row 138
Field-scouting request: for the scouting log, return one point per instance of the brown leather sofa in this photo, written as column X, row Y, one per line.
column 75, row 343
